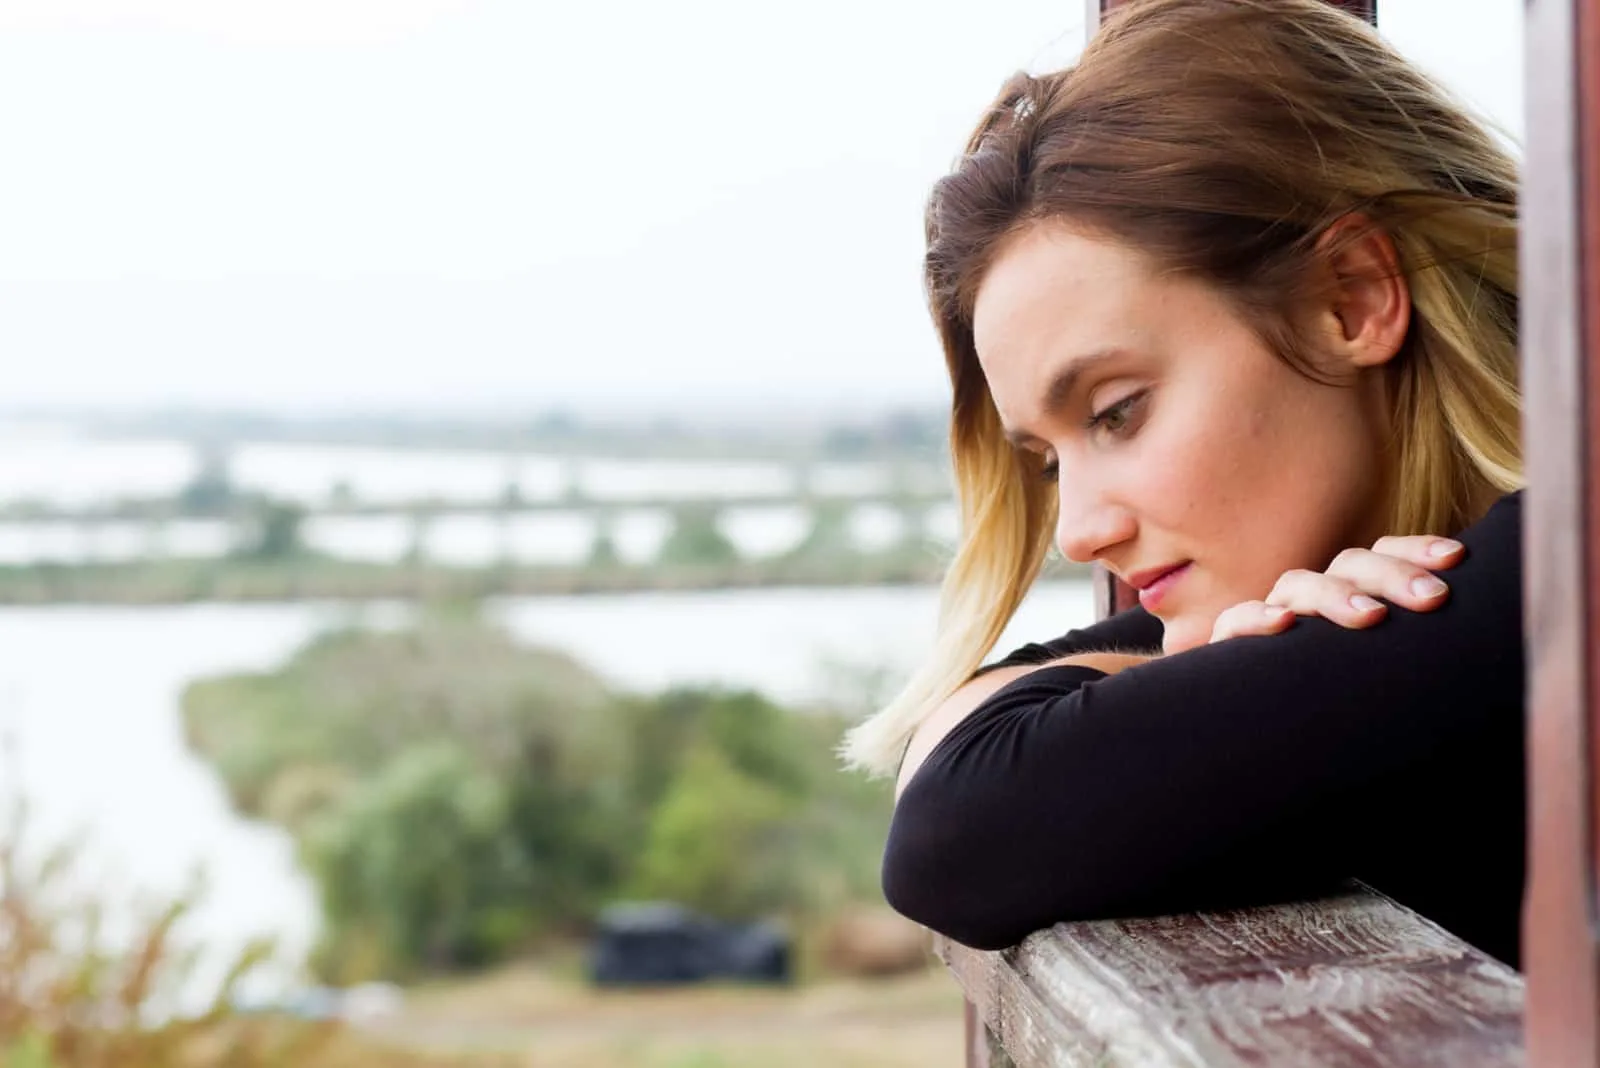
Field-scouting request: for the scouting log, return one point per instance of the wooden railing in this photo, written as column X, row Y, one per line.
column 1353, row 980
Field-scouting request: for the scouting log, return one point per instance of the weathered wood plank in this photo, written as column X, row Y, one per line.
column 1561, row 382
column 1352, row 980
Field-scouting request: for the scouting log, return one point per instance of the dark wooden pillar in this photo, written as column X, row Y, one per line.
column 1561, row 374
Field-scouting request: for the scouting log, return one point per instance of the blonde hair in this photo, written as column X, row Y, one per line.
column 1223, row 138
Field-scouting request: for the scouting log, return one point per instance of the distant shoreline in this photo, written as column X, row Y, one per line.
column 318, row 579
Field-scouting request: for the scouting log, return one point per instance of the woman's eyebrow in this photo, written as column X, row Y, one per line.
column 1059, row 391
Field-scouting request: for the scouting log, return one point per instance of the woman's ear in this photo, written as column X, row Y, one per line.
column 1368, row 308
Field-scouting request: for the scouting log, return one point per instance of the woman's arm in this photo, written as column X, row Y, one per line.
column 961, row 704
column 1067, row 794
column 1132, row 629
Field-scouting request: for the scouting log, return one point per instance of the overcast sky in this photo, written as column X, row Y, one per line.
column 513, row 204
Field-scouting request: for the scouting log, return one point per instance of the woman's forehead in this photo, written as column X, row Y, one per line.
column 1051, row 281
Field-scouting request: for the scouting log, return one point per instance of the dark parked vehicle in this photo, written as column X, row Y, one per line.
column 662, row 943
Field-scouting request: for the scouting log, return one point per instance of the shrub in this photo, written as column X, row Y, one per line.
column 452, row 792
column 723, row 842
column 72, row 997
column 417, row 858
column 456, row 797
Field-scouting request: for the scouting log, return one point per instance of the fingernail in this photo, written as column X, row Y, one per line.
column 1427, row 586
column 1444, row 547
column 1274, row 611
column 1362, row 603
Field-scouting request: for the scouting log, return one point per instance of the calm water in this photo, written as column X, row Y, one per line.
column 467, row 539
column 88, row 699
column 69, row 471
column 62, row 467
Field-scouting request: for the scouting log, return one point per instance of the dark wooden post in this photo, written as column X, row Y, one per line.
column 1561, row 376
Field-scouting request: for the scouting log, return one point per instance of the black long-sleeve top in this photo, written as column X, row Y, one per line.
column 1250, row 770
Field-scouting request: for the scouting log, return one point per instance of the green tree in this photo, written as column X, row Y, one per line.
column 276, row 532
column 343, row 747
column 418, row 856
column 456, row 795
column 603, row 555
column 723, row 842
column 211, row 491
column 696, row 540
column 760, row 739
column 829, row 537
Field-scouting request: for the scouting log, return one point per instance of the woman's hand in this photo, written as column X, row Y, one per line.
column 1398, row 569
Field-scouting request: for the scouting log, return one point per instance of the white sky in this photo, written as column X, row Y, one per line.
column 513, row 204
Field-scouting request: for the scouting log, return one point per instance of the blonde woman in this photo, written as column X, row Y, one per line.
column 1230, row 308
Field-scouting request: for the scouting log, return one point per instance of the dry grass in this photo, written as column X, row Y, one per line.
column 555, row 1021
column 71, row 997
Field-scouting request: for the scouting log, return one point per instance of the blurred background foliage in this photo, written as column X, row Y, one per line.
column 74, row 994
column 459, row 798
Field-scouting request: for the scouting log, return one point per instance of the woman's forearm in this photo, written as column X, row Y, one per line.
column 959, row 705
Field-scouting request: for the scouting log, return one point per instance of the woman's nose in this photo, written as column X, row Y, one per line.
column 1088, row 525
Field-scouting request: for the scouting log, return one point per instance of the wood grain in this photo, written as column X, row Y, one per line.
column 1354, row 981
column 1559, row 374
column 1586, row 298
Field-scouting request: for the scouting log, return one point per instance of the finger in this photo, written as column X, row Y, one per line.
column 1424, row 550
column 1313, row 593
column 1251, row 617
column 1398, row 581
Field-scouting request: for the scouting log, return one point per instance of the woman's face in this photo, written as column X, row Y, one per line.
column 1193, row 462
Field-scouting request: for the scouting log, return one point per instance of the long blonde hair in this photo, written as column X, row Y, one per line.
column 1223, row 138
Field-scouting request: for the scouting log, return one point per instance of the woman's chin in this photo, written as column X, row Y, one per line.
column 1185, row 631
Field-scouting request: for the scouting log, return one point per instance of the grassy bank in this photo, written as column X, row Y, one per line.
column 322, row 578
column 551, row 1020
column 183, row 581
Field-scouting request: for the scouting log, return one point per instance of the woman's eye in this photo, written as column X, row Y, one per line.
column 1117, row 418
column 1050, row 470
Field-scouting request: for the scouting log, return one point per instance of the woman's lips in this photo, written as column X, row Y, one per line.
column 1152, row 595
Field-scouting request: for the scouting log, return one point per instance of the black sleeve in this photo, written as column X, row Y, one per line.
column 1069, row 794
column 1130, row 631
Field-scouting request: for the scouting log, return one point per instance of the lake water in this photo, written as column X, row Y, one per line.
column 64, row 467
column 88, row 700
column 74, row 472
column 462, row 539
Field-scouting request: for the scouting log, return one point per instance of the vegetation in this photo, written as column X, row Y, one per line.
column 275, row 532
column 458, row 798
column 912, row 1021
column 245, row 579
column 72, row 997
column 696, row 541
